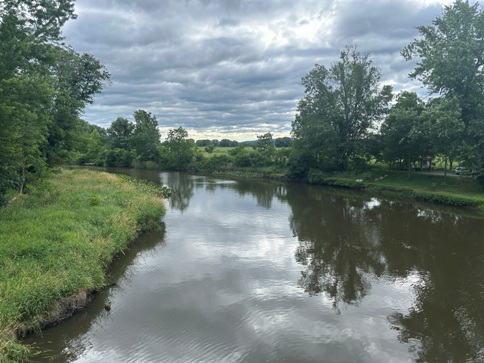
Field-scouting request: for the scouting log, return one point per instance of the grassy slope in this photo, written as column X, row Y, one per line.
column 456, row 191
column 58, row 240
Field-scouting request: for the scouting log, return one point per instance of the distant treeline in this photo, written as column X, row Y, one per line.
column 278, row 142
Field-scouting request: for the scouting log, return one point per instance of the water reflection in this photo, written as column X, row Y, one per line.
column 182, row 189
column 348, row 241
column 337, row 244
column 345, row 243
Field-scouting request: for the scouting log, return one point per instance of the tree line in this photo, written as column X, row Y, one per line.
column 138, row 144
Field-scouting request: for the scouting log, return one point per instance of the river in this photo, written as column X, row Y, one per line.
column 252, row 271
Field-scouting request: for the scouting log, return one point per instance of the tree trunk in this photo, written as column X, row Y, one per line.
column 409, row 166
column 22, row 179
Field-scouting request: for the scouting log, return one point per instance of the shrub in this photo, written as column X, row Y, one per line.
column 451, row 200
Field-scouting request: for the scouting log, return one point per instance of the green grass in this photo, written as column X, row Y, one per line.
column 216, row 151
column 453, row 191
column 58, row 240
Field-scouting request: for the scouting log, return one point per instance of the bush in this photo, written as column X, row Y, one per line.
column 298, row 165
column 243, row 160
column 220, row 162
column 447, row 199
column 319, row 178
column 118, row 158
column 209, row 148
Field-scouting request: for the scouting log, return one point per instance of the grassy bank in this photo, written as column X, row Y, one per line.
column 454, row 191
column 451, row 190
column 57, row 242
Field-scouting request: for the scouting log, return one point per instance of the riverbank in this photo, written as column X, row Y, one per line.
column 57, row 242
column 455, row 191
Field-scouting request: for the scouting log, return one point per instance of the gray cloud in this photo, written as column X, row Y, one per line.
column 232, row 68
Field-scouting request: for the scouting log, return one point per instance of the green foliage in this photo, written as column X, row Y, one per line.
column 59, row 239
column 119, row 158
column 283, row 142
column 204, row 142
column 227, row 143
column 146, row 137
column 209, row 148
column 94, row 200
column 340, row 105
column 119, row 133
column 405, row 137
column 450, row 200
column 217, row 162
column 242, row 157
column 300, row 162
column 265, row 145
column 450, row 63
column 44, row 85
column 179, row 151
column 321, row 178
column 442, row 119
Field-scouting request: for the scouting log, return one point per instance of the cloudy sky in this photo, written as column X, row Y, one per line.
column 232, row 68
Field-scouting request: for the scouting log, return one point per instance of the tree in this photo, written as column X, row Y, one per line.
column 450, row 56
column 442, row 119
column 404, row 137
column 341, row 104
column 265, row 145
column 119, row 133
column 146, row 136
column 283, row 142
column 204, row 142
column 224, row 143
column 95, row 149
column 179, row 150
column 77, row 79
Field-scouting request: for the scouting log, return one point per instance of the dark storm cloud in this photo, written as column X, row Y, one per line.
column 233, row 68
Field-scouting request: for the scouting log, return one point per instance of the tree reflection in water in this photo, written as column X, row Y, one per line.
column 345, row 242
column 182, row 185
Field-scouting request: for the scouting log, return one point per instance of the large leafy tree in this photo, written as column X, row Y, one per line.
column 119, row 133
column 179, row 150
column 340, row 105
column 146, row 136
column 442, row 118
column 450, row 62
column 405, row 138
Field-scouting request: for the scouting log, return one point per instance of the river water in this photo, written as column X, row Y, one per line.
column 252, row 271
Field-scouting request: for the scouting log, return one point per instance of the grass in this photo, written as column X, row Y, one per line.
column 57, row 241
column 216, row 151
column 453, row 191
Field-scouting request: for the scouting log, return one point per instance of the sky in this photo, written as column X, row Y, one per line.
column 228, row 69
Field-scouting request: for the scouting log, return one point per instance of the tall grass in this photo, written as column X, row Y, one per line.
column 58, row 240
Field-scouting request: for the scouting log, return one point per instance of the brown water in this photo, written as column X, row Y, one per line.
column 248, row 271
